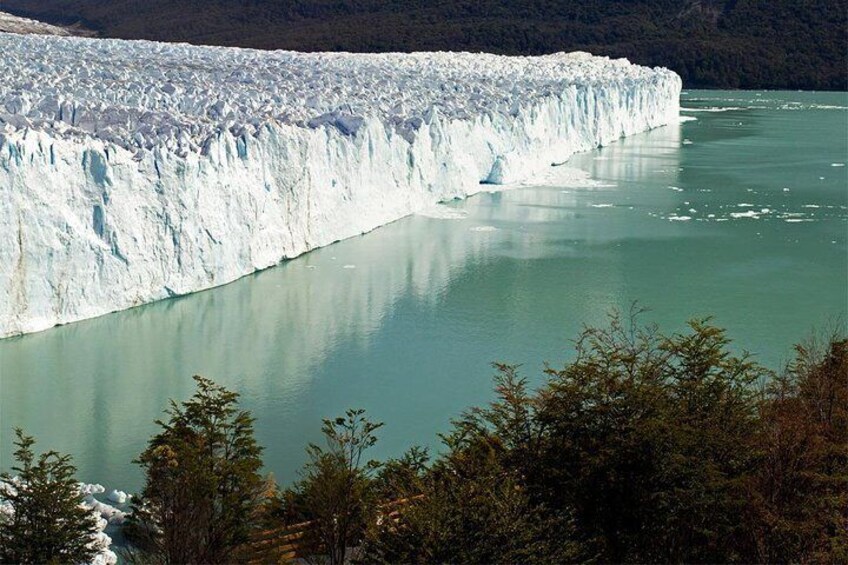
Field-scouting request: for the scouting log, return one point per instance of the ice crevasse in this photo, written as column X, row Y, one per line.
column 132, row 171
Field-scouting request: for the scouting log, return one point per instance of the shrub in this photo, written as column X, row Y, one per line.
column 47, row 522
column 202, row 487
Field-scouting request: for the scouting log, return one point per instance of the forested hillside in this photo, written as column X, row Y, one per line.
column 716, row 43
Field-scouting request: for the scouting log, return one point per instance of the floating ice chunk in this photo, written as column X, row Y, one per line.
column 349, row 267
column 106, row 511
column 753, row 214
column 837, row 164
column 484, row 229
column 714, row 109
column 87, row 489
column 602, row 205
column 117, row 496
column 679, row 218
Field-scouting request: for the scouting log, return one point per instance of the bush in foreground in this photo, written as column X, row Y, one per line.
column 202, row 484
column 336, row 490
column 45, row 522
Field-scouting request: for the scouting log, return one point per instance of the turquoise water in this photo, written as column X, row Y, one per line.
column 406, row 320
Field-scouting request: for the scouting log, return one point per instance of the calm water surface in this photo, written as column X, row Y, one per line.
column 740, row 214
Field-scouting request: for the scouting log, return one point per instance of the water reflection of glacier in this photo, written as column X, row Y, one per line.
column 93, row 388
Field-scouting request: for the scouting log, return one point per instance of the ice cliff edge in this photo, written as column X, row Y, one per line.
column 135, row 171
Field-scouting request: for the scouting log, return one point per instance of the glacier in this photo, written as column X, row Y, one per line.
column 133, row 171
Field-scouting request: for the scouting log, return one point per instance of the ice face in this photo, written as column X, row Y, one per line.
column 135, row 171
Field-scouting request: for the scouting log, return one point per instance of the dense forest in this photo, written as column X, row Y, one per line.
column 794, row 44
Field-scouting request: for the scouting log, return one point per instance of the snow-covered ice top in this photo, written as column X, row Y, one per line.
column 143, row 95
column 15, row 24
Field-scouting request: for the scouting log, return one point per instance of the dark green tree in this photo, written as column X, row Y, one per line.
column 650, row 443
column 337, row 490
column 471, row 509
column 403, row 477
column 48, row 523
column 203, row 488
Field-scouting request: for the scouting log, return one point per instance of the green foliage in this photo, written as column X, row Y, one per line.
column 48, row 524
column 336, row 490
column 710, row 43
column 472, row 505
column 645, row 448
column 202, row 484
column 403, row 477
column 649, row 443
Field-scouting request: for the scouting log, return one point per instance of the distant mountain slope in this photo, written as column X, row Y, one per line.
column 15, row 24
column 717, row 43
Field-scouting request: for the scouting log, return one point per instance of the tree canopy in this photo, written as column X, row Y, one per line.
column 47, row 522
column 202, row 483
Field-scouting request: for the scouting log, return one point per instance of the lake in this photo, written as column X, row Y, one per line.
column 740, row 213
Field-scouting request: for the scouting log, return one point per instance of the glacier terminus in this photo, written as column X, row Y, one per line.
column 132, row 171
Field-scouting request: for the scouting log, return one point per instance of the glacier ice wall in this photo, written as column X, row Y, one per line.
column 135, row 171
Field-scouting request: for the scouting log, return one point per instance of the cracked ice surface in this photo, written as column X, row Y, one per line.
column 134, row 171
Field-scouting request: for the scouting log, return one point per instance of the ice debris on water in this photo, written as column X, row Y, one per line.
column 117, row 496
